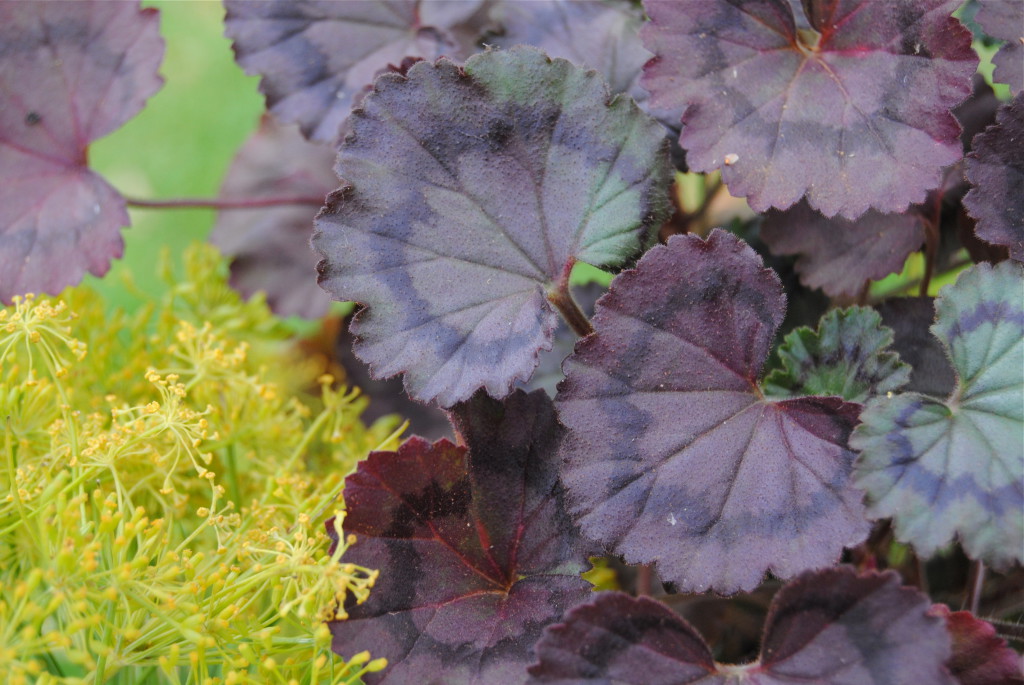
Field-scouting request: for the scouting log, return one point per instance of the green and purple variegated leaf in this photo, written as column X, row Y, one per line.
column 70, row 73
column 852, row 113
column 1004, row 19
column 847, row 356
column 675, row 457
column 955, row 467
column 830, row 626
column 840, row 256
column 475, row 551
column 995, row 169
column 980, row 657
column 470, row 194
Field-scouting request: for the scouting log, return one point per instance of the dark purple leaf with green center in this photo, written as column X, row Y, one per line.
column 943, row 468
column 471, row 194
column 853, row 113
column 848, row 356
column 70, row 72
column 475, row 550
column 1004, row 19
column 995, row 169
column 674, row 456
column 840, row 256
column 980, row 657
column 909, row 319
column 269, row 246
column 313, row 56
column 830, row 626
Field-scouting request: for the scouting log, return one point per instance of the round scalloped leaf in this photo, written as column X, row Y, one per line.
column 830, row 626
column 951, row 467
column 848, row 356
column 1004, row 19
column 995, row 169
column 838, row 255
column 853, row 113
column 675, row 457
column 314, row 57
column 980, row 656
column 475, row 551
column 470, row 193
column 70, row 72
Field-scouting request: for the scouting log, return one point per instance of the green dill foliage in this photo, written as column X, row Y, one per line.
column 163, row 487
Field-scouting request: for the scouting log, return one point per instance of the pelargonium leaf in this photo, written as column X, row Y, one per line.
column 1004, row 19
column 995, row 169
column 314, row 57
column 848, row 356
column 70, row 72
column 675, row 457
column 475, row 551
column 951, row 467
column 980, row 657
column 830, row 626
column 840, row 256
column 470, row 193
column 852, row 113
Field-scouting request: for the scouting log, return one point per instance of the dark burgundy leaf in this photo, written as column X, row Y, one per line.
column 471, row 194
column 840, row 256
column 1004, row 19
column 475, row 551
column 315, row 56
column 269, row 246
column 70, row 72
column 910, row 318
column 676, row 458
column 831, row 626
column 980, row 657
column 853, row 113
column 995, row 169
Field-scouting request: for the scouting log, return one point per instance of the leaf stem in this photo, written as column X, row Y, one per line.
column 561, row 298
column 226, row 203
column 975, row 584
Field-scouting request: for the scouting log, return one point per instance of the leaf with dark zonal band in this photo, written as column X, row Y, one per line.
column 315, row 56
column 70, row 72
column 830, row 626
column 471, row 193
column 1004, row 19
column 840, row 256
column 980, row 657
column 849, row 356
column 674, row 455
column 951, row 467
column 475, row 551
column 853, row 113
column 995, row 169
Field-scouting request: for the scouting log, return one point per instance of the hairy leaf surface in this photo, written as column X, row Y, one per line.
column 951, row 467
column 852, row 112
column 675, row 456
column 70, row 72
column 475, row 551
column 830, row 626
column 980, row 657
column 470, row 193
column 1004, row 19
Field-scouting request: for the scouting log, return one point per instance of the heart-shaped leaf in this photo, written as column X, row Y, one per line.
column 471, row 193
column 830, row 626
column 980, row 657
column 70, row 72
column 476, row 554
column 676, row 457
column 956, row 466
column 852, row 112
column 1004, row 19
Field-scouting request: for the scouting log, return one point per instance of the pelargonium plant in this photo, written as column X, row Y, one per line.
column 746, row 412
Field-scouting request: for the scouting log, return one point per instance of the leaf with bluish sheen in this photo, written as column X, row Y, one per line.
column 848, row 356
column 980, row 657
column 470, row 194
column 955, row 467
column 853, row 113
column 70, row 72
column 1004, row 19
column 674, row 456
column 475, row 551
column 831, row 626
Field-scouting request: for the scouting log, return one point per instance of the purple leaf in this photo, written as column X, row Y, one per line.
column 675, row 457
column 831, row 626
column 853, row 113
column 909, row 319
column 315, row 56
column 475, row 551
column 471, row 193
column 980, row 657
column 838, row 255
column 1004, row 19
column 995, row 169
column 269, row 246
column 70, row 72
